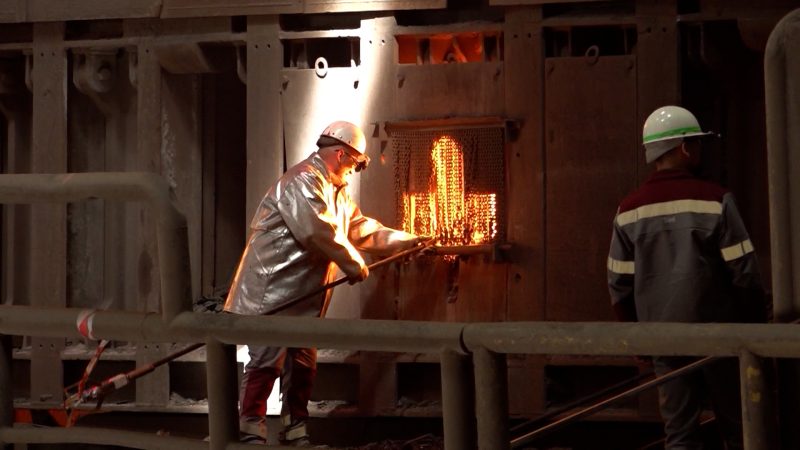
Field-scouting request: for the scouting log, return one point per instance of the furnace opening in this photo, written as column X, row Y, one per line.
column 451, row 184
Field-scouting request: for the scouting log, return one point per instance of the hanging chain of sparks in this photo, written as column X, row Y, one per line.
column 447, row 210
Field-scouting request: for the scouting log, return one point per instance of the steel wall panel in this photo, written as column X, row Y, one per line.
column 46, row 10
column 8, row 11
column 206, row 8
column 329, row 6
column 450, row 90
column 591, row 151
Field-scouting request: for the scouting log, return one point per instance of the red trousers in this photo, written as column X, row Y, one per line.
column 299, row 367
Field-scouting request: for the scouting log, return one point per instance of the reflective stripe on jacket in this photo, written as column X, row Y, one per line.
column 680, row 251
column 303, row 227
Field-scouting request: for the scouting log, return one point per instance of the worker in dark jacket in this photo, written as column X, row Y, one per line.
column 680, row 253
column 306, row 225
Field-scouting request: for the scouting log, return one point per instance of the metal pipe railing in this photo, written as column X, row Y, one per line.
column 756, row 403
column 491, row 399
column 458, row 400
column 488, row 341
column 223, row 413
column 192, row 327
column 782, row 95
column 171, row 229
column 533, row 338
column 634, row 338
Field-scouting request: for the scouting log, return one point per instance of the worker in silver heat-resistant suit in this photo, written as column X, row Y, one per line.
column 306, row 225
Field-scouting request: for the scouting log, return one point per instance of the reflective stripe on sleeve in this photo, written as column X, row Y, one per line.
column 669, row 208
column 620, row 267
column 737, row 250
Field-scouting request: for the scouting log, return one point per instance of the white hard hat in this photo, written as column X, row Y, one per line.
column 666, row 128
column 351, row 136
column 348, row 134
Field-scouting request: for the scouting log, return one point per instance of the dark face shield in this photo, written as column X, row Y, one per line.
column 359, row 163
column 362, row 165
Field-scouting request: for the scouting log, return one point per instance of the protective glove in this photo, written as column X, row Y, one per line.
column 419, row 240
column 422, row 240
column 358, row 276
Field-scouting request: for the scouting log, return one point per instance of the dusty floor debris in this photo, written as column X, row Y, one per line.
column 426, row 442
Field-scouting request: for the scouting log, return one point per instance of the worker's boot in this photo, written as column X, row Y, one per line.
column 295, row 406
column 295, row 434
column 253, row 431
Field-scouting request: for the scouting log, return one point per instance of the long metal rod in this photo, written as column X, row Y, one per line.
column 116, row 382
column 529, row 437
column 581, row 401
column 333, row 284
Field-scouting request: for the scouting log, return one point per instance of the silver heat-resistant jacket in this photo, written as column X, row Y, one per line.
column 304, row 226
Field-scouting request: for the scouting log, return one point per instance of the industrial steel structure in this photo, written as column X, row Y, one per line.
column 138, row 136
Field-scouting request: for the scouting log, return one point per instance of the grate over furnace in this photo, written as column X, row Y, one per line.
column 450, row 183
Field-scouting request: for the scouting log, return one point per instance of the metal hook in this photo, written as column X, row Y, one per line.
column 592, row 55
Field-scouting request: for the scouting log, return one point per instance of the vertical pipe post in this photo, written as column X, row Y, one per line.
column 6, row 387
column 782, row 96
column 755, row 402
column 491, row 399
column 458, row 401
column 221, row 377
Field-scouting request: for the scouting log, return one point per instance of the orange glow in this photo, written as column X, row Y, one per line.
column 446, row 210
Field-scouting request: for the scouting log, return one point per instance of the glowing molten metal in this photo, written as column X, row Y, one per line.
column 448, row 210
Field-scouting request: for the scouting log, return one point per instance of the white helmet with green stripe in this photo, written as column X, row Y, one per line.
column 665, row 129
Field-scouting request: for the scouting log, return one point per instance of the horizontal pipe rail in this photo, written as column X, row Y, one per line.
column 193, row 327
column 635, row 338
column 151, row 188
column 542, row 338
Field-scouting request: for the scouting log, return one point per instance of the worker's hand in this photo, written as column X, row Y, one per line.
column 430, row 250
column 420, row 240
column 360, row 276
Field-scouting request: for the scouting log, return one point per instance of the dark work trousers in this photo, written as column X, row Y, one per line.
column 682, row 400
column 299, row 367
